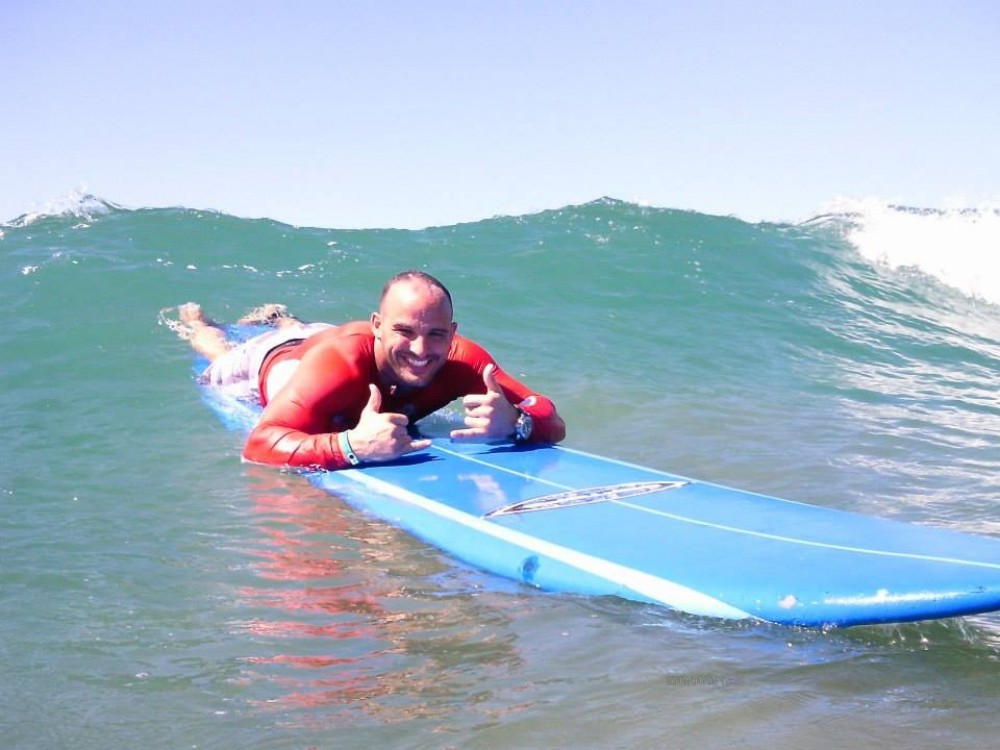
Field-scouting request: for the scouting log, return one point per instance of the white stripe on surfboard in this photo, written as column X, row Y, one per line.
column 495, row 467
column 723, row 527
column 649, row 586
column 808, row 543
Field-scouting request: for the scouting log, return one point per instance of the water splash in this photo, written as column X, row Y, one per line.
column 78, row 204
column 958, row 246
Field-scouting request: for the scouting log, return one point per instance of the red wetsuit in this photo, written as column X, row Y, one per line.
column 328, row 392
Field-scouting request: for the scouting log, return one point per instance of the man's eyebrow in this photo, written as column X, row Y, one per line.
column 409, row 328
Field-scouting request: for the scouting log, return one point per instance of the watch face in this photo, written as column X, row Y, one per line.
column 524, row 426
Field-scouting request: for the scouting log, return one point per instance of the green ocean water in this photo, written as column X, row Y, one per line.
column 158, row 593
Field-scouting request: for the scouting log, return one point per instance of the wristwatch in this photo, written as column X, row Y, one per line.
column 523, row 427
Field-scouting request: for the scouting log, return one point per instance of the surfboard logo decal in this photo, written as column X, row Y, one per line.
column 586, row 496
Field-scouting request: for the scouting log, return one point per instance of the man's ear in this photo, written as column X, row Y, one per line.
column 376, row 325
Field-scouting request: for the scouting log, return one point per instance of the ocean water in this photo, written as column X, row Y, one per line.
column 157, row 593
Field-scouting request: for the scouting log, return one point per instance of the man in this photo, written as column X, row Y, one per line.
column 336, row 397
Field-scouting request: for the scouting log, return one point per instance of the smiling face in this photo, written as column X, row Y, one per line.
column 413, row 332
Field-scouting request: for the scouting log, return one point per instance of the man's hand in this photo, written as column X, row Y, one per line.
column 488, row 416
column 382, row 437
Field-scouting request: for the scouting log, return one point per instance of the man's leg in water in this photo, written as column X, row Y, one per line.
column 270, row 314
column 209, row 339
column 206, row 337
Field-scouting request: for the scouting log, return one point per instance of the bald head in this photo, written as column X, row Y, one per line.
column 417, row 279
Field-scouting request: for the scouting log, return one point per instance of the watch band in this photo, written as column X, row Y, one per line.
column 523, row 427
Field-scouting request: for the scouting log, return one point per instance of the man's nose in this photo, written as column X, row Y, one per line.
column 418, row 345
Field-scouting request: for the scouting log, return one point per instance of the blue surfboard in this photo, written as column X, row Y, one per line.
column 563, row 520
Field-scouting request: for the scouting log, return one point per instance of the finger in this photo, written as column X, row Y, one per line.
column 478, row 421
column 399, row 421
column 467, row 433
column 480, row 424
column 419, row 445
column 490, row 378
column 474, row 401
column 374, row 398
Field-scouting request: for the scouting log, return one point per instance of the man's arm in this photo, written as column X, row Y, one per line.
column 547, row 425
column 491, row 412
column 294, row 429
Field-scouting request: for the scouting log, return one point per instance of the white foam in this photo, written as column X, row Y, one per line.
column 960, row 246
column 78, row 203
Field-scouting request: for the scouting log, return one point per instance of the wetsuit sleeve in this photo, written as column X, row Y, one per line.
column 294, row 429
column 547, row 425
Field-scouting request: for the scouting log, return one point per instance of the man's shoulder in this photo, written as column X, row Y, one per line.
column 356, row 331
column 467, row 350
column 348, row 339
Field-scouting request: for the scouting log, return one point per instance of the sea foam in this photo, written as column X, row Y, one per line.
column 958, row 246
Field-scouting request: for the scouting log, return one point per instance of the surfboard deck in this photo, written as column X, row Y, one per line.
column 564, row 520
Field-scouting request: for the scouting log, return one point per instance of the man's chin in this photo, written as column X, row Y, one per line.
column 421, row 382
column 415, row 380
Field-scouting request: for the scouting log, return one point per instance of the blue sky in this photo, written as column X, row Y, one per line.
column 408, row 114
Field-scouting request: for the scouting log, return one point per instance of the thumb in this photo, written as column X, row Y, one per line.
column 490, row 379
column 374, row 399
